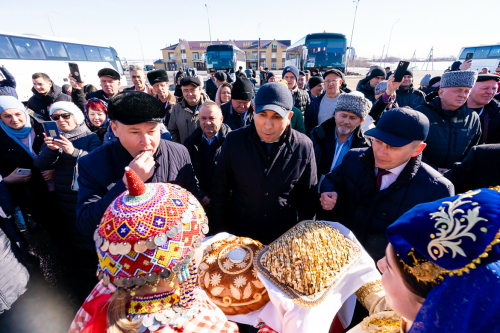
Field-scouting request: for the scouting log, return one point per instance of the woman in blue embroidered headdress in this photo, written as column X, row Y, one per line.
column 441, row 272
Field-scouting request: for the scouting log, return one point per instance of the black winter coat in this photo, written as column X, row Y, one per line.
column 193, row 144
column 231, row 117
column 268, row 193
column 84, row 142
column 13, row 156
column 367, row 211
column 101, row 173
column 409, row 97
column 302, row 100
column 98, row 94
column 211, row 89
column 451, row 134
column 379, row 107
column 430, row 93
column 493, row 111
column 366, row 89
column 480, row 168
column 40, row 104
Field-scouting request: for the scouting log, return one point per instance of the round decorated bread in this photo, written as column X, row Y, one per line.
column 228, row 277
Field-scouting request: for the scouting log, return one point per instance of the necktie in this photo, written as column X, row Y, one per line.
column 381, row 172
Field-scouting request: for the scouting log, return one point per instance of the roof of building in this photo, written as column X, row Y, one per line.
column 242, row 44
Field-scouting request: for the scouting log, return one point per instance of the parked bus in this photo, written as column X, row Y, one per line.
column 24, row 55
column 484, row 56
column 226, row 57
column 319, row 50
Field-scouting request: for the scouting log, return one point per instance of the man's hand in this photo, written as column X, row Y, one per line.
column 48, row 174
column 14, row 178
column 206, row 201
column 74, row 83
column 328, row 200
column 392, row 86
column 465, row 65
column 65, row 145
column 143, row 165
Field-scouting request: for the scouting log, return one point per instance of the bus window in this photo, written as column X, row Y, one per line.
column 54, row 49
column 106, row 54
column 6, row 49
column 75, row 52
column 465, row 51
column 482, row 52
column 494, row 52
column 28, row 48
column 92, row 53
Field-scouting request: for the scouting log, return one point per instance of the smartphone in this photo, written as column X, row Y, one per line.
column 75, row 72
column 469, row 56
column 51, row 129
column 400, row 71
column 23, row 172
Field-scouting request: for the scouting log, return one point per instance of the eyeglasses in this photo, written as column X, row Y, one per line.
column 55, row 117
column 332, row 81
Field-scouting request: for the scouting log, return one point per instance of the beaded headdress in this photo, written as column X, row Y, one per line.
column 449, row 236
column 148, row 233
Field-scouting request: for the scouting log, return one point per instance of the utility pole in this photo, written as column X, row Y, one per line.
column 389, row 44
column 352, row 33
column 382, row 56
column 209, row 32
column 140, row 41
column 48, row 18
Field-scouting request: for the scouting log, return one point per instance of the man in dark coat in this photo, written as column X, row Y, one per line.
column 45, row 93
column 210, row 85
column 368, row 84
column 407, row 96
column 388, row 73
column 238, row 112
column 480, row 168
column 374, row 186
column 268, row 168
column 110, row 84
column 455, row 129
column 481, row 100
column 300, row 97
column 8, row 82
column 135, row 120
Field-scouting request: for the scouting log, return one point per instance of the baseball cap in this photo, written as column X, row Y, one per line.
column 275, row 97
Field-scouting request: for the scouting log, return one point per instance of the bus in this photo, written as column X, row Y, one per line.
column 225, row 57
column 24, row 55
column 319, row 50
column 484, row 56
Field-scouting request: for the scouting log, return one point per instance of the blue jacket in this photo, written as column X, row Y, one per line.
column 311, row 115
column 101, row 173
column 8, row 85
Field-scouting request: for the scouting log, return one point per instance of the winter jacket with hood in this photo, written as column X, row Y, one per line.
column 40, row 104
column 366, row 89
column 183, row 121
column 410, row 97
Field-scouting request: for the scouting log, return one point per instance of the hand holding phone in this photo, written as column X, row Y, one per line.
column 469, row 56
column 75, row 72
column 23, row 172
column 17, row 177
column 400, row 71
column 51, row 129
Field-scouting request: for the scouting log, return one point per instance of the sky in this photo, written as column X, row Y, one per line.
column 446, row 25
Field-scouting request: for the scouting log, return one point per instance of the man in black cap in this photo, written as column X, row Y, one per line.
column 161, row 90
column 135, row 120
column 238, row 112
column 211, row 85
column 406, row 95
column 316, row 85
column 110, row 84
column 374, row 186
column 184, row 115
column 268, row 168
column 481, row 100
column 368, row 84
column 220, row 77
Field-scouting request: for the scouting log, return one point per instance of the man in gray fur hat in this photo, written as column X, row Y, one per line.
column 454, row 129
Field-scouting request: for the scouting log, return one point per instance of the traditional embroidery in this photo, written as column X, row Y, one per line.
column 153, row 303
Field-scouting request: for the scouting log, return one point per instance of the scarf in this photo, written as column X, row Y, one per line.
column 91, row 126
column 9, row 102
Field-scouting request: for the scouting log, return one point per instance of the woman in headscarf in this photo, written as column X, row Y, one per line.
column 21, row 138
column 96, row 116
column 441, row 272
column 223, row 94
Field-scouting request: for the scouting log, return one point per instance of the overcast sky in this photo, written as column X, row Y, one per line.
column 446, row 25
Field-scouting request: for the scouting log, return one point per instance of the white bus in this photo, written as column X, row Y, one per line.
column 484, row 56
column 24, row 55
column 225, row 57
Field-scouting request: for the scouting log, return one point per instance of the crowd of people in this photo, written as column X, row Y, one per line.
column 381, row 160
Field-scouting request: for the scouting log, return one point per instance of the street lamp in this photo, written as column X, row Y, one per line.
column 258, row 46
column 352, row 33
column 48, row 18
column 140, row 41
column 209, row 32
column 389, row 44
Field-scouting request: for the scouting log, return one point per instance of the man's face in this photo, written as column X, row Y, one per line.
column 212, row 75
column 191, row 94
column 272, row 79
column 109, row 85
column 271, row 125
column 210, row 120
column 407, row 81
column 388, row 157
column 454, row 97
column 346, row 122
column 290, row 79
column 332, row 84
column 387, row 71
column 484, row 71
column 161, row 89
column 138, row 138
column 376, row 80
column 301, row 82
column 138, row 79
column 483, row 92
column 43, row 87
column 318, row 90
column 308, row 76
column 240, row 105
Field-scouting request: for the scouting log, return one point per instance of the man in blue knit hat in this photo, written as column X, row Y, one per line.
column 300, row 97
column 269, row 169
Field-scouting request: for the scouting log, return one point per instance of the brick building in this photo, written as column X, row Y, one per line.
column 191, row 53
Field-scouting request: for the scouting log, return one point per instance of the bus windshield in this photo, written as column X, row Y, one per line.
column 220, row 59
column 326, row 52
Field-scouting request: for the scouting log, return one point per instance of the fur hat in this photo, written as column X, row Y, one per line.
column 354, row 102
column 158, row 75
column 70, row 108
column 458, row 79
column 380, row 87
column 135, row 107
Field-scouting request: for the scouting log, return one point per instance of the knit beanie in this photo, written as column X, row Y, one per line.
column 242, row 89
column 294, row 70
column 70, row 108
column 354, row 102
column 314, row 81
column 434, row 80
column 456, row 66
column 409, row 72
column 377, row 71
column 458, row 79
column 381, row 87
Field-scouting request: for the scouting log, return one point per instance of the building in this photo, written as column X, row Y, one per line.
column 192, row 53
